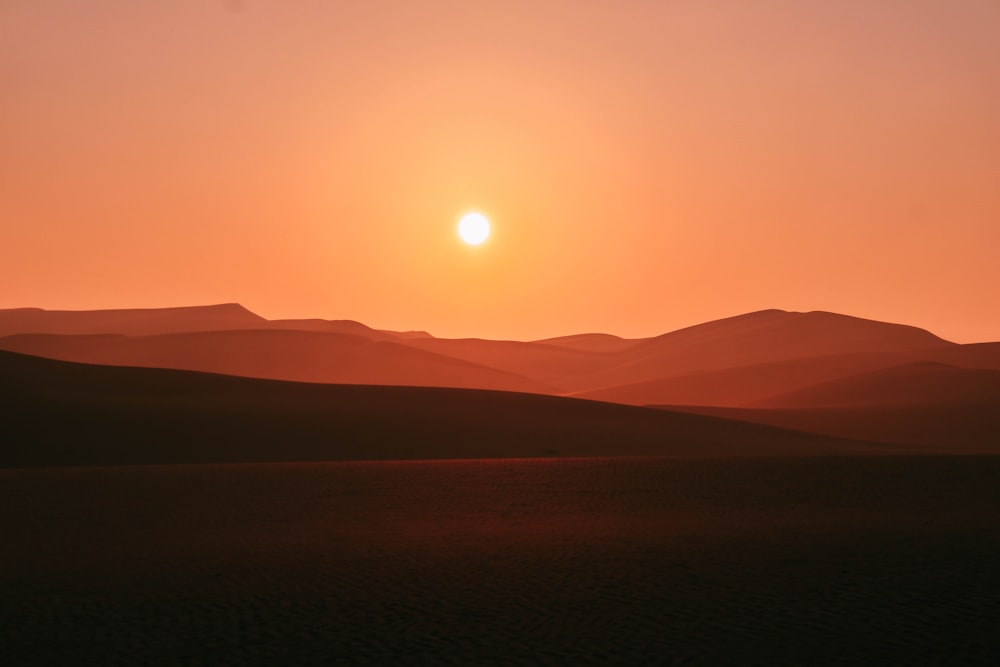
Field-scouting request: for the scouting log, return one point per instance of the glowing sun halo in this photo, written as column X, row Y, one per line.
column 474, row 228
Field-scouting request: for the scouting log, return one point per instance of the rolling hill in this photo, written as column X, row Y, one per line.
column 302, row 356
column 731, row 362
column 922, row 404
column 59, row 413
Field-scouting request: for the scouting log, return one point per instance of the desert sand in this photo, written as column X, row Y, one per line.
column 788, row 561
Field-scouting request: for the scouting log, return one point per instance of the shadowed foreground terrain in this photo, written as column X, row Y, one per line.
column 58, row 413
column 819, row 561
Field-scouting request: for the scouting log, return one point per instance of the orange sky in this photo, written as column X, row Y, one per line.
column 646, row 165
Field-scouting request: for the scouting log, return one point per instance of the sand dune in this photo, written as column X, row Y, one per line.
column 133, row 322
column 918, row 384
column 592, row 342
column 406, row 335
column 727, row 362
column 698, row 366
column 154, row 321
column 754, row 338
column 925, row 404
column 572, row 365
column 62, row 413
column 553, row 365
column 973, row 355
column 349, row 327
column 277, row 354
column 743, row 385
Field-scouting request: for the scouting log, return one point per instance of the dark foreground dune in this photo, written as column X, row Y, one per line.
column 821, row 561
column 58, row 413
column 296, row 356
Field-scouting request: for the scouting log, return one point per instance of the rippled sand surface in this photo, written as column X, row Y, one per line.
column 599, row 561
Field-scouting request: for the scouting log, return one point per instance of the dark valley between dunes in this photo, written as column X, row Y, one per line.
column 205, row 486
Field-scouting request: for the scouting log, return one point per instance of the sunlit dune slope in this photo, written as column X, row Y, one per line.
column 742, row 385
column 755, row 338
column 916, row 384
column 926, row 404
column 300, row 356
column 972, row 355
column 729, row 362
column 574, row 366
column 59, row 413
column 553, row 365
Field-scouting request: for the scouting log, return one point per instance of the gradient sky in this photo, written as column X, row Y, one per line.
column 646, row 165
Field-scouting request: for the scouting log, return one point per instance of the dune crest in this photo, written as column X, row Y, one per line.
column 300, row 356
column 131, row 321
column 592, row 342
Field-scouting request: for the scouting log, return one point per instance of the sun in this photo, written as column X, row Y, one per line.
column 474, row 228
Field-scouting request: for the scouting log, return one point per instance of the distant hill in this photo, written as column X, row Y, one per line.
column 729, row 362
column 131, row 322
column 549, row 364
column 349, row 327
column 577, row 365
column 754, row 338
column 592, row 342
column 153, row 321
column 743, row 385
column 918, row 384
column 740, row 385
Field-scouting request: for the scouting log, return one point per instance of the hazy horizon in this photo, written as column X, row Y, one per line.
column 417, row 328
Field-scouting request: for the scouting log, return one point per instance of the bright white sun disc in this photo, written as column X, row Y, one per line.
column 474, row 228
